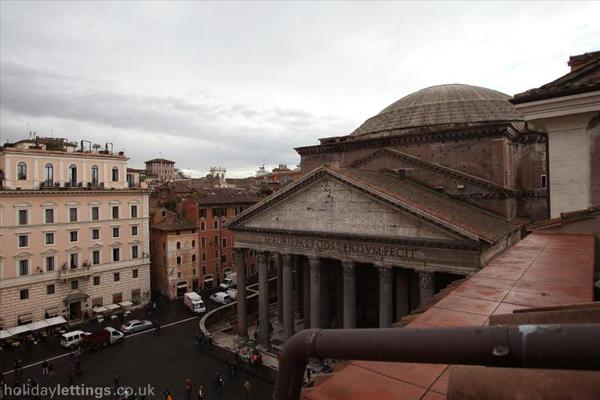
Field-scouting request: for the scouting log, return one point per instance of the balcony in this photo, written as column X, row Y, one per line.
column 71, row 273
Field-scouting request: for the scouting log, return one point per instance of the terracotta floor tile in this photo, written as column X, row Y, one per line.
column 355, row 383
column 449, row 318
column 468, row 289
column 534, row 299
column 434, row 396
column 423, row 375
column 466, row 304
column 494, row 283
column 441, row 385
column 507, row 308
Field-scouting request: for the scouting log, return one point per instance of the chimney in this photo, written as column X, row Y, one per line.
column 579, row 61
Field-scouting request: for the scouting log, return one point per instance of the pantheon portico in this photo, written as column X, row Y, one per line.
column 420, row 195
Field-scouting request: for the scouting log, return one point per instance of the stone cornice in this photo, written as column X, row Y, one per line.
column 71, row 192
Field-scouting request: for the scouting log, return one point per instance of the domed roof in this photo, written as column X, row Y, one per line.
column 447, row 105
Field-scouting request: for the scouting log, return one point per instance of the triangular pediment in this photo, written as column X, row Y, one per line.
column 329, row 206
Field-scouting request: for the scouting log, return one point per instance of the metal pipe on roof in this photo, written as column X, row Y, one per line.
column 531, row 346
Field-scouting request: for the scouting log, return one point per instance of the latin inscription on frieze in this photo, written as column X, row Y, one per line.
column 343, row 247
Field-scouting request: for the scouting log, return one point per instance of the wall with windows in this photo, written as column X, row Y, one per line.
column 30, row 169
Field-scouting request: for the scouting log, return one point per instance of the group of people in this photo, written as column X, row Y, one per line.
column 201, row 394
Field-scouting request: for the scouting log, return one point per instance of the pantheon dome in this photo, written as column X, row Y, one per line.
column 451, row 105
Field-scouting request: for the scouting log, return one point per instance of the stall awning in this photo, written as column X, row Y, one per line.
column 75, row 297
column 100, row 309
column 113, row 307
column 4, row 334
column 17, row 330
column 55, row 321
column 34, row 326
column 125, row 304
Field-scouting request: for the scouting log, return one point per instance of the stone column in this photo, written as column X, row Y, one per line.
column 278, row 268
column 288, row 296
column 315, row 291
column 299, row 274
column 349, row 274
column 425, row 286
column 239, row 256
column 306, row 296
column 385, row 296
column 263, row 299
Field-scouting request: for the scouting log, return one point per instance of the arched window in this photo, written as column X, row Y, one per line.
column 22, row 171
column 115, row 174
column 72, row 175
column 95, row 177
column 178, row 245
column 178, row 260
column 48, row 174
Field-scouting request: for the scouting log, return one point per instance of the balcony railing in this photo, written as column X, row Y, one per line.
column 79, row 272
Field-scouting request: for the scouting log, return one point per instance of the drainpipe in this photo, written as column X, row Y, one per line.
column 573, row 346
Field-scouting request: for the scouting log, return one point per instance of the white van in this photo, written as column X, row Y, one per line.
column 221, row 298
column 72, row 339
column 193, row 301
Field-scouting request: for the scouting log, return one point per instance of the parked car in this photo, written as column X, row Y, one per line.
column 136, row 325
column 104, row 337
column 73, row 338
column 232, row 293
column 221, row 298
column 230, row 281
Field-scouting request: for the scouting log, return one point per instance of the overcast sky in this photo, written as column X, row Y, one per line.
column 238, row 84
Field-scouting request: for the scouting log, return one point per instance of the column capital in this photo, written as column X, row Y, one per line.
column 262, row 256
column 385, row 274
column 348, row 267
column 314, row 262
column 239, row 252
column 425, row 280
column 288, row 260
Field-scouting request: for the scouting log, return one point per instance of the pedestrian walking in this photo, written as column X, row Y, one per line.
column 188, row 389
column 201, row 393
column 45, row 368
column 246, row 389
column 168, row 395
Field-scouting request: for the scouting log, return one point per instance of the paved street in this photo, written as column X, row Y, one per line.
column 161, row 359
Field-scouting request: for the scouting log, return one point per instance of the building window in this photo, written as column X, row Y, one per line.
column 49, row 237
column 203, row 256
column 73, row 260
column 136, row 297
column 203, row 270
column 203, row 242
column 202, row 212
column 23, row 267
column 134, row 230
column 224, row 258
column 50, row 289
column 224, row 242
column 202, row 226
column 72, row 236
column 72, row 214
column 178, row 245
column 24, row 294
column 50, row 263
column 95, row 234
column 96, row 280
column 215, row 225
column 95, row 213
column 96, row 257
column 115, row 232
column 216, row 242
column 193, row 243
column 74, row 284
column 544, row 181
column 95, row 177
column 115, row 174
column 23, row 217
column 72, row 175
column 22, row 171
column 178, row 274
column 117, row 298
column 193, row 258
column 49, row 215
column 178, row 260
column 97, row 302
column 194, row 271
column 48, row 175
column 116, row 254
column 134, row 211
column 115, row 212
column 134, row 273
column 134, row 252
column 116, row 277
column 23, row 240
